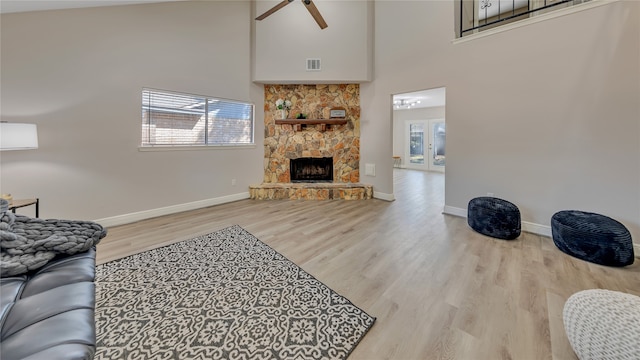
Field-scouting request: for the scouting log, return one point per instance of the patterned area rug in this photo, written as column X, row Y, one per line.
column 225, row 295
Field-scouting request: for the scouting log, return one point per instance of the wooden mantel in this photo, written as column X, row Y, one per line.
column 297, row 123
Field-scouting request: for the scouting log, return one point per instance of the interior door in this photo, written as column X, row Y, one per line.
column 437, row 144
column 425, row 145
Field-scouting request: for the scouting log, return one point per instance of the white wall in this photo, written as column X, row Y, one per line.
column 285, row 39
column 78, row 75
column 546, row 115
column 400, row 118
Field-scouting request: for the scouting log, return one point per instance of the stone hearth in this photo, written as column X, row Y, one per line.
column 284, row 142
column 311, row 191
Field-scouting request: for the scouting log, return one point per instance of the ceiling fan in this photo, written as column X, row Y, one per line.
column 313, row 10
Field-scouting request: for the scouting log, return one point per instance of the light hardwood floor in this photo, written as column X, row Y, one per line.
column 438, row 289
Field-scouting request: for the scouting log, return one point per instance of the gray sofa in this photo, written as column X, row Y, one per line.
column 47, row 292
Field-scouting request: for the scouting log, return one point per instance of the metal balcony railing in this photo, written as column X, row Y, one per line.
column 479, row 15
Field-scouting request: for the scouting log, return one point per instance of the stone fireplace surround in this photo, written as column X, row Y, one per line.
column 284, row 142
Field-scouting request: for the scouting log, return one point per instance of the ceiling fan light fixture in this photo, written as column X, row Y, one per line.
column 405, row 103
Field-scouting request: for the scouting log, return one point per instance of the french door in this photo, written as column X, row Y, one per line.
column 425, row 145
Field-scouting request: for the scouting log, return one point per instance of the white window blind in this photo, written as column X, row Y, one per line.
column 176, row 119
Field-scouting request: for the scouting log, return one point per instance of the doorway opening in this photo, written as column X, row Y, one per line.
column 419, row 128
column 419, row 143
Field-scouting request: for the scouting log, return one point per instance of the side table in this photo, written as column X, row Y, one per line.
column 25, row 202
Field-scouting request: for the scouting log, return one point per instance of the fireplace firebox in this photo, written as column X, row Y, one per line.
column 311, row 169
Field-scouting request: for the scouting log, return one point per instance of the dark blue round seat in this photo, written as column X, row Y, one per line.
column 494, row 217
column 592, row 237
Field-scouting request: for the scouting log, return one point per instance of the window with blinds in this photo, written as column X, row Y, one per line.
column 176, row 119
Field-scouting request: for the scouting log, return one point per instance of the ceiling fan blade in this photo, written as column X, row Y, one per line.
column 274, row 9
column 313, row 10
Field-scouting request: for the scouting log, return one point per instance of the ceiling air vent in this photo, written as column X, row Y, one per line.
column 313, row 65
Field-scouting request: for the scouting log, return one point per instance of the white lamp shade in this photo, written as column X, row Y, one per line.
column 14, row 136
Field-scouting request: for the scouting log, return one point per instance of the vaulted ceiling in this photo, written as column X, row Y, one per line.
column 12, row 6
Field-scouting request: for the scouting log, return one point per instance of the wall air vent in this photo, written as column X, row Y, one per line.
column 313, row 65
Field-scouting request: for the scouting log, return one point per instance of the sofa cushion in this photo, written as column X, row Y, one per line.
column 49, row 313
column 64, row 270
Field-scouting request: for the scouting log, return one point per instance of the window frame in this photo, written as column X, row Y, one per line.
column 522, row 22
column 198, row 146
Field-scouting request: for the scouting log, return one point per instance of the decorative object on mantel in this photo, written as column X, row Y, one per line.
column 225, row 295
column 301, row 116
column 298, row 123
column 311, row 7
column 338, row 113
column 283, row 106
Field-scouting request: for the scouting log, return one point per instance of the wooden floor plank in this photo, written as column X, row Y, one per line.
column 439, row 290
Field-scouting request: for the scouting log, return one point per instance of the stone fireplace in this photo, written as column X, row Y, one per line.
column 316, row 137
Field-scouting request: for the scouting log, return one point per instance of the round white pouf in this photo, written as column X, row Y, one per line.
column 603, row 324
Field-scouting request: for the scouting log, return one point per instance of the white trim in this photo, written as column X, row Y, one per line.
column 537, row 229
column 636, row 250
column 383, row 196
column 194, row 147
column 526, row 226
column 536, row 19
column 450, row 210
column 148, row 214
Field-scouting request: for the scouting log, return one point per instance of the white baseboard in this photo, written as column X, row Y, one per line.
column 383, row 196
column 450, row 210
column 636, row 250
column 527, row 226
column 148, row 214
column 537, row 229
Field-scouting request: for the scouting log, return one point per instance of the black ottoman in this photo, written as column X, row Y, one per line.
column 494, row 217
column 592, row 237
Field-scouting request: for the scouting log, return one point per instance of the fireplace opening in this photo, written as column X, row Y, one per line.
column 310, row 169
